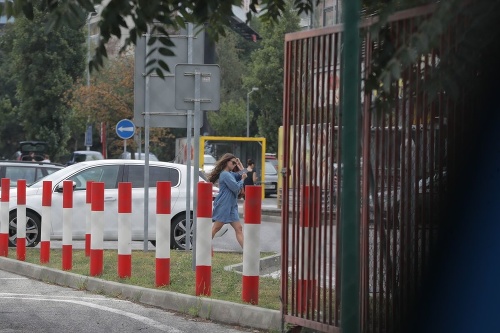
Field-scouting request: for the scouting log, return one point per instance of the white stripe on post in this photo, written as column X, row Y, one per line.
column 21, row 220
column 163, row 215
column 46, row 221
column 124, row 230
column 204, row 240
column 251, row 245
column 4, row 217
column 309, row 215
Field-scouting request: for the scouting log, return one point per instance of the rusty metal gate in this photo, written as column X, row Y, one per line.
column 406, row 149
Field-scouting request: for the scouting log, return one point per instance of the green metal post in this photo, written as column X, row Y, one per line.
column 350, row 223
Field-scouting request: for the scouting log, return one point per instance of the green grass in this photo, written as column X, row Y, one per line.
column 226, row 285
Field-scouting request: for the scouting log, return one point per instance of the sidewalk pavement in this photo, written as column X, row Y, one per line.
column 219, row 311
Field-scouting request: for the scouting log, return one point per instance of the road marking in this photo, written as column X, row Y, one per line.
column 142, row 319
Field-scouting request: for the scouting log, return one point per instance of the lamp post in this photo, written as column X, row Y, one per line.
column 88, row 140
column 248, row 109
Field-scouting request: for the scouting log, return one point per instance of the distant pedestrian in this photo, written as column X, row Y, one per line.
column 46, row 158
column 230, row 174
column 251, row 173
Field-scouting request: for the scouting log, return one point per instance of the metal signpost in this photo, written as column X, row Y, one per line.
column 197, row 87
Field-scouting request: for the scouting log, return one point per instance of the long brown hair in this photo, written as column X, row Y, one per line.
column 220, row 165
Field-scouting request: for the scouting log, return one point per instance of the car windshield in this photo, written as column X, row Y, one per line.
column 209, row 159
column 270, row 169
column 55, row 175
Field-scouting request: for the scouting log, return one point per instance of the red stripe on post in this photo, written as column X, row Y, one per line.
column 253, row 204
column 163, row 197
column 67, row 256
column 310, row 205
column 204, row 200
column 4, row 245
column 88, row 192
column 21, row 192
column 47, row 193
column 162, row 272
column 97, row 197
column 21, row 249
column 124, row 266
column 125, row 198
column 68, row 194
column 250, row 286
column 96, row 261
column 5, row 189
column 203, row 280
column 44, row 252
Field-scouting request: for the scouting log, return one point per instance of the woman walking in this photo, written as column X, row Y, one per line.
column 230, row 174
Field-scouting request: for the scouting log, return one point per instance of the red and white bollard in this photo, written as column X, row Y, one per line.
column 163, row 214
column 88, row 214
column 124, row 230
column 21, row 220
column 309, row 215
column 4, row 217
column 67, row 215
column 46, row 221
column 251, row 246
column 204, row 240
column 97, row 229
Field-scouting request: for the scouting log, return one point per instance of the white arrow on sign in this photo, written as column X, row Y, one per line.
column 127, row 129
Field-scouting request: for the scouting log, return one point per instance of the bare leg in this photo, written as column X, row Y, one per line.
column 216, row 227
column 238, row 229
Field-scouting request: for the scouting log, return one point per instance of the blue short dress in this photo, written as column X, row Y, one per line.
column 226, row 202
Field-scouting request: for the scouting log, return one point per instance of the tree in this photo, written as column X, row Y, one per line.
column 230, row 120
column 110, row 98
column 266, row 73
column 43, row 67
column 135, row 16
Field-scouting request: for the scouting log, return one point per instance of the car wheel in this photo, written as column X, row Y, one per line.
column 33, row 228
column 178, row 234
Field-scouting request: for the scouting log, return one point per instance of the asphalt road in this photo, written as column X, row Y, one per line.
column 32, row 306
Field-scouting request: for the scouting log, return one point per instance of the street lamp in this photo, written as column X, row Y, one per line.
column 248, row 109
column 89, row 17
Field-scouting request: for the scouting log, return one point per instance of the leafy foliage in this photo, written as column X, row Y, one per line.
column 266, row 73
column 43, row 65
column 230, row 120
column 110, row 98
column 137, row 16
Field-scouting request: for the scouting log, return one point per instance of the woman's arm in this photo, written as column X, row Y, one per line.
column 254, row 176
column 232, row 184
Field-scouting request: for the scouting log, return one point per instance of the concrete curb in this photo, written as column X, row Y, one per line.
column 216, row 310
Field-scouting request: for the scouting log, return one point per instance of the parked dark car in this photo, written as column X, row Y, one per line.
column 84, row 155
column 31, row 151
column 29, row 171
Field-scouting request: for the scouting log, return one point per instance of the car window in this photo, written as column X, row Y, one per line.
column 108, row 174
column 51, row 170
column 270, row 169
column 136, row 175
column 15, row 173
column 209, row 159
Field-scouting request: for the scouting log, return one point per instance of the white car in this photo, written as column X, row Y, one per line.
column 111, row 172
column 208, row 163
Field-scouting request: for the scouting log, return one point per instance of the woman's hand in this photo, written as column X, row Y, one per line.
column 243, row 176
column 238, row 163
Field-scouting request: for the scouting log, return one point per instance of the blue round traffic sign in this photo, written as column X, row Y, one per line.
column 125, row 129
